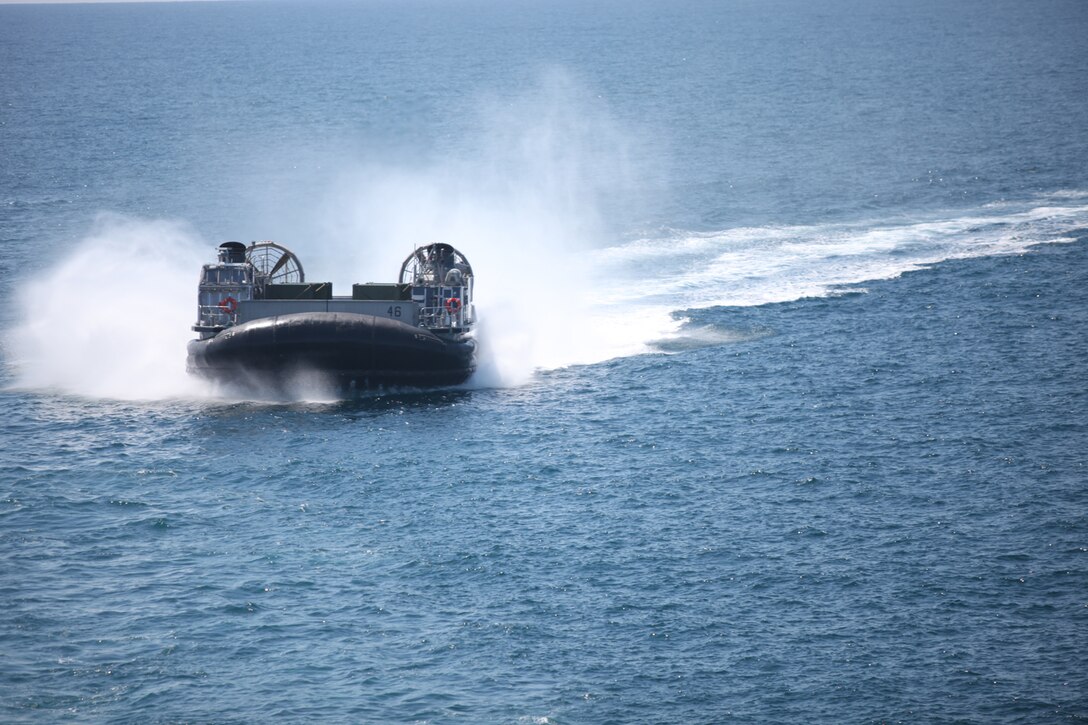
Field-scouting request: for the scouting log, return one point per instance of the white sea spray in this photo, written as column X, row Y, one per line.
column 111, row 318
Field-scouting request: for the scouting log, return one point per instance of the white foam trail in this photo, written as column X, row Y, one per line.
column 112, row 318
column 753, row 266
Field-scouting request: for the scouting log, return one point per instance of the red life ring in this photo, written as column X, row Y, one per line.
column 229, row 305
column 453, row 305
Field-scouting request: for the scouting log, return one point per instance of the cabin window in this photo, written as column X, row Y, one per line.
column 229, row 276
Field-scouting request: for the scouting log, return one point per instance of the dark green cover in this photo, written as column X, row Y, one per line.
column 374, row 291
column 311, row 291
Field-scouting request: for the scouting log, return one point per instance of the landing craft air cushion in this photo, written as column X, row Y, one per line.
column 261, row 323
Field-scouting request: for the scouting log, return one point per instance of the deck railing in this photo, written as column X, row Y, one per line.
column 445, row 317
column 217, row 315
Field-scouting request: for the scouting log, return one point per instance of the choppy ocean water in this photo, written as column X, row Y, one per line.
column 782, row 414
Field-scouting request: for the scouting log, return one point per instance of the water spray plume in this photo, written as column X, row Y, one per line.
column 524, row 202
column 112, row 318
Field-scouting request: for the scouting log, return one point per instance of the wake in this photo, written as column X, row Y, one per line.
column 79, row 335
column 760, row 265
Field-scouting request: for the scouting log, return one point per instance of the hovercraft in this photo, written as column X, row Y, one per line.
column 261, row 323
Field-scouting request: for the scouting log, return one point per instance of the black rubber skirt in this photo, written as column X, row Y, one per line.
column 350, row 350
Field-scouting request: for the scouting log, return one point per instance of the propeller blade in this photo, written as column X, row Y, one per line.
column 279, row 263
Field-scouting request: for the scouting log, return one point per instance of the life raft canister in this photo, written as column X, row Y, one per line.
column 229, row 305
column 453, row 304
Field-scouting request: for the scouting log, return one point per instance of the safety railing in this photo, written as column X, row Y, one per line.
column 223, row 314
column 217, row 304
column 451, row 315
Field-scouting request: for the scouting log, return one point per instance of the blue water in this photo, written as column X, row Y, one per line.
column 782, row 415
